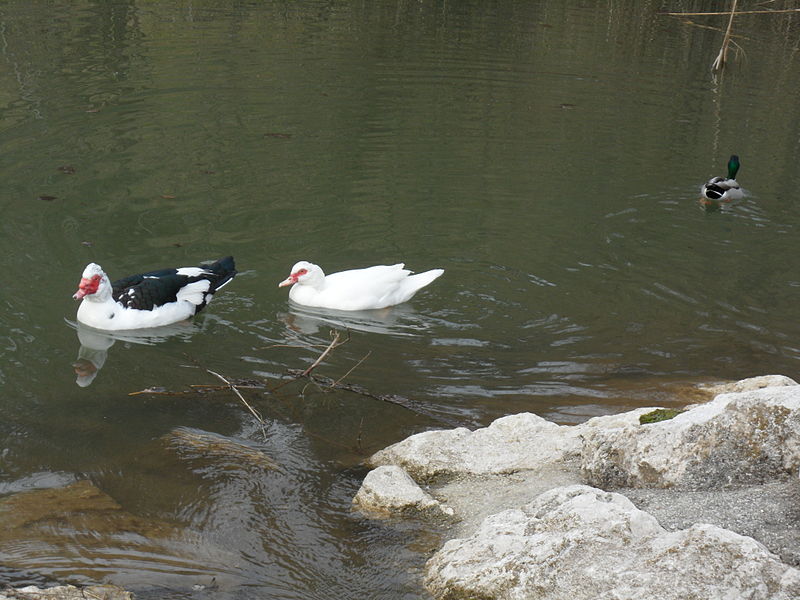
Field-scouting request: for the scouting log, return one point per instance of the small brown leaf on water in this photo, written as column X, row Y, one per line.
column 67, row 169
column 282, row 136
column 48, row 198
column 167, row 197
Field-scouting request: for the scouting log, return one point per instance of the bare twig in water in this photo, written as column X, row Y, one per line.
column 325, row 353
column 201, row 387
column 292, row 346
column 741, row 12
column 353, row 368
column 335, row 343
column 155, row 391
column 252, row 410
column 358, row 438
column 406, row 403
column 722, row 57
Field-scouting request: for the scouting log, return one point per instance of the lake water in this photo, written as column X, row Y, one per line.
column 547, row 155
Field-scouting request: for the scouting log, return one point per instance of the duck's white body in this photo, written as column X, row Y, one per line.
column 358, row 289
column 151, row 299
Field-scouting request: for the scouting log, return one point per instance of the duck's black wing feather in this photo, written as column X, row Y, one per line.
column 148, row 290
column 156, row 288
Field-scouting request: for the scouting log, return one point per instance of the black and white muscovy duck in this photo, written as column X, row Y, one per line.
column 358, row 289
column 723, row 189
column 151, row 299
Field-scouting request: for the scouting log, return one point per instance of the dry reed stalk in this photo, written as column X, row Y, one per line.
column 741, row 12
column 722, row 57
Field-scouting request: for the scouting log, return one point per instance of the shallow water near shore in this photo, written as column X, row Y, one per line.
column 547, row 155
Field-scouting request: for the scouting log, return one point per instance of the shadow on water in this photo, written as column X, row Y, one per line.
column 400, row 320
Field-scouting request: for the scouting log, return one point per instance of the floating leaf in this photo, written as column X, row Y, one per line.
column 67, row 169
column 48, row 198
column 282, row 136
column 167, row 197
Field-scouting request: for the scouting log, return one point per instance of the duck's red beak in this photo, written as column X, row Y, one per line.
column 289, row 280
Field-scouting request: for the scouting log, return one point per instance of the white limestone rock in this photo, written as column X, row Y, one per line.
column 389, row 490
column 749, row 384
column 66, row 592
column 577, row 542
column 510, row 444
column 746, row 437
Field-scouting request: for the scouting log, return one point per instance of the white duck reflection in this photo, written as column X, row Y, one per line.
column 95, row 343
column 400, row 320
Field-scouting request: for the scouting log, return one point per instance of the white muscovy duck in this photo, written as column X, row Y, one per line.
column 150, row 299
column 358, row 289
column 723, row 189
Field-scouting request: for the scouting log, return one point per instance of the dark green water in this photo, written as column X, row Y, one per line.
column 547, row 155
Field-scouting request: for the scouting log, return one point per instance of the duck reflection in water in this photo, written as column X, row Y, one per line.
column 400, row 320
column 94, row 345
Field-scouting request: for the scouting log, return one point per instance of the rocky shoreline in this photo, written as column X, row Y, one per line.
column 702, row 504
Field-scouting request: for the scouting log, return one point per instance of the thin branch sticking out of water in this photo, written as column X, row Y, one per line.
column 325, row 384
column 335, row 343
column 407, row 403
column 722, row 57
column 252, row 410
column 325, row 353
column 741, row 12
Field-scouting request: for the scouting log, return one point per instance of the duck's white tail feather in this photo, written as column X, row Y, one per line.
column 412, row 284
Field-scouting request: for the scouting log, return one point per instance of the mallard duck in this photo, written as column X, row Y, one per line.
column 723, row 189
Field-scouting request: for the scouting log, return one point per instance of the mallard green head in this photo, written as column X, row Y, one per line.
column 733, row 166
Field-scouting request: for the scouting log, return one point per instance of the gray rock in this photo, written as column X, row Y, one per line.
column 578, row 543
column 66, row 592
column 767, row 512
column 729, row 462
column 749, row 384
column 745, row 437
column 389, row 490
column 513, row 443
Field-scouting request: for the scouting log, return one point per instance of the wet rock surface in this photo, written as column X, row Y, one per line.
column 709, row 507
column 579, row 542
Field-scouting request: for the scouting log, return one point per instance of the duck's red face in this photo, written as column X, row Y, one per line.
column 293, row 277
column 88, row 286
